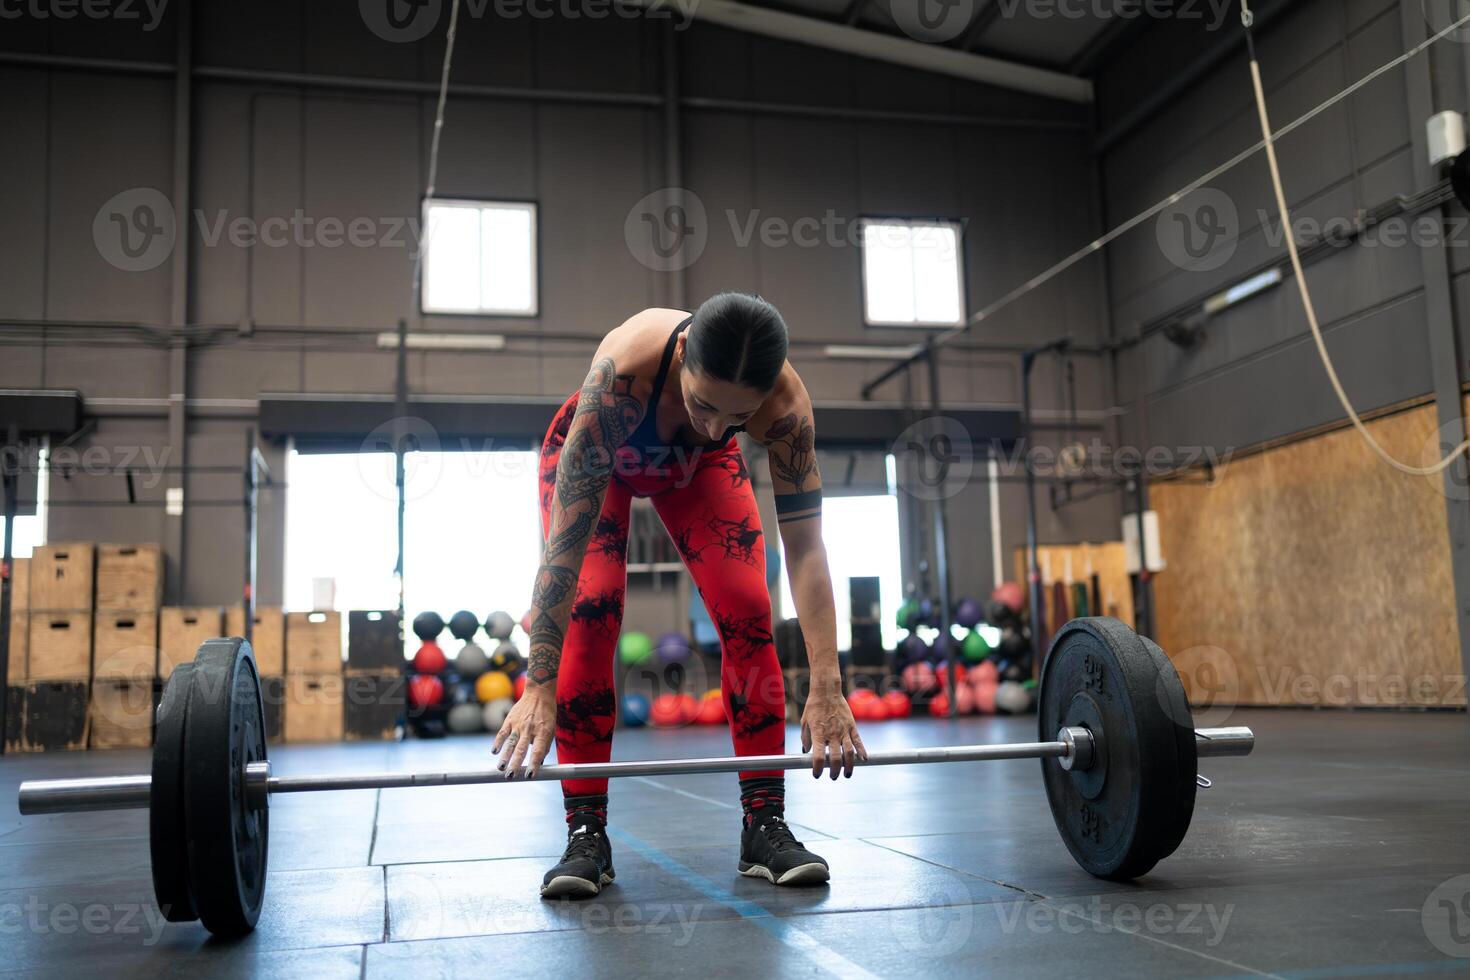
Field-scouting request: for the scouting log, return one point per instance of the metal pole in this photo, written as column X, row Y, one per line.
column 400, row 411
column 132, row 792
column 10, row 485
column 1145, row 614
column 941, row 558
column 252, row 499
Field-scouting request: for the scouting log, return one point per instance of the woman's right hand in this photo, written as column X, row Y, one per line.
column 529, row 729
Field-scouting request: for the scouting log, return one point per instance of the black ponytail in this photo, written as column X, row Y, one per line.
column 739, row 338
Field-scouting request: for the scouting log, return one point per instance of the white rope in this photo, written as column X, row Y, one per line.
column 1301, row 279
column 1194, row 185
column 418, row 256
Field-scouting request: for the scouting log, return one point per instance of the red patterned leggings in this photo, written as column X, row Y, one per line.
column 704, row 499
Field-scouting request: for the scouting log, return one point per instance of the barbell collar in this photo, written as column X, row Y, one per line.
column 132, row 792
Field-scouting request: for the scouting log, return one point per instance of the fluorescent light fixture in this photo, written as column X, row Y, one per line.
column 443, row 341
column 1243, row 290
column 856, row 352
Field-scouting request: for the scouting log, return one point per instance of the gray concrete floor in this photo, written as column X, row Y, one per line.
column 1335, row 850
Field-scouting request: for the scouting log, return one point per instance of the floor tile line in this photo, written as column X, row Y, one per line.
column 1155, row 939
column 756, row 914
column 1038, row 896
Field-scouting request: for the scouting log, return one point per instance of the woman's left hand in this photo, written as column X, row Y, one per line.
column 830, row 734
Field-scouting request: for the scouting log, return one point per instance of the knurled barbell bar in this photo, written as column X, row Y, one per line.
column 1120, row 773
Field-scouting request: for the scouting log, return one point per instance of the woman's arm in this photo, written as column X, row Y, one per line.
column 606, row 414
column 827, row 727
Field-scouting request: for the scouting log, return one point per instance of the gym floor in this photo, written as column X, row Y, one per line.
column 1316, row 856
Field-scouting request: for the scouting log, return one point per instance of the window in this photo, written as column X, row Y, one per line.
column 912, row 273
column 472, row 532
column 480, row 257
column 861, row 535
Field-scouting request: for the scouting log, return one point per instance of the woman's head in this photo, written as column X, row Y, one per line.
column 733, row 353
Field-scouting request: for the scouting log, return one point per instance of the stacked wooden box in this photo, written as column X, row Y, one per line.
column 376, row 685
column 126, row 645
column 268, row 641
column 313, row 698
column 56, row 671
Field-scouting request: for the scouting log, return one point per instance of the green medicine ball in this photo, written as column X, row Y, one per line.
column 635, row 648
column 975, row 648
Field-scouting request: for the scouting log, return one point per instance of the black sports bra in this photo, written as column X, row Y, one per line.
column 646, row 435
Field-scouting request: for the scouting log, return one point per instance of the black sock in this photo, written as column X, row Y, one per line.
column 592, row 805
column 760, row 792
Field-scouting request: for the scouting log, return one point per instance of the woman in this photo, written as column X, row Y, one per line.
column 656, row 418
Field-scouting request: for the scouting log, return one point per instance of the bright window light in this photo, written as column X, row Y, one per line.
column 912, row 273
column 471, row 526
column 480, row 257
column 861, row 535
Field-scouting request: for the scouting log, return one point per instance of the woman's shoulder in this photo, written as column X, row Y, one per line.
column 636, row 346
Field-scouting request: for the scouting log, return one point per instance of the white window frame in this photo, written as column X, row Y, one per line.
column 480, row 310
column 959, row 239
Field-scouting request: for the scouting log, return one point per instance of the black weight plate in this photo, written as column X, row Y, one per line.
column 167, row 842
column 1100, row 669
column 1170, row 692
column 227, row 838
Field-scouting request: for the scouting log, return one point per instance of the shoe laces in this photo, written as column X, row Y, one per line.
column 583, row 842
column 778, row 834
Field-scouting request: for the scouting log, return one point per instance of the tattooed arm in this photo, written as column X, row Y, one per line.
column 785, row 429
column 606, row 415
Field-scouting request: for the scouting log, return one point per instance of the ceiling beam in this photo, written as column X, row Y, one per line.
column 881, row 47
column 986, row 17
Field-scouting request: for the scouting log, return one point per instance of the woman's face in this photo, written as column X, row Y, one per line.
column 714, row 405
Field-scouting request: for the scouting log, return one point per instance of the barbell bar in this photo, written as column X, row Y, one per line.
column 1119, row 763
column 134, row 792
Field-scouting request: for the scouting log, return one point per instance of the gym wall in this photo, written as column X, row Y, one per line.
column 309, row 315
column 1351, row 539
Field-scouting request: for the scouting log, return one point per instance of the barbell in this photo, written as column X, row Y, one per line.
column 1120, row 772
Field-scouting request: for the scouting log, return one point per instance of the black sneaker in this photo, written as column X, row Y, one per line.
column 586, row 864
column 769, row 850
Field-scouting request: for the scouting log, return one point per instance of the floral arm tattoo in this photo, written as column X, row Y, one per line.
column 790, row 441
column 606, row 415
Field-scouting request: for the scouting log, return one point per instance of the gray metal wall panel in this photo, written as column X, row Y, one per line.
column 23, row 108
column 126, row 123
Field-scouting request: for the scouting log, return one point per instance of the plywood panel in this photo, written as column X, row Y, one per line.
column 1313, row 574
